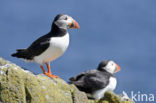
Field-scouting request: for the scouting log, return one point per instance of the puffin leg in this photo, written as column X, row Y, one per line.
column 48, row 66
column 43, row 69
column 49, row 74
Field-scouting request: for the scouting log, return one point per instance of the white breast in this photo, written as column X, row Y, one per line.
column 110, row 87
column 58, row 46
column 112, row 83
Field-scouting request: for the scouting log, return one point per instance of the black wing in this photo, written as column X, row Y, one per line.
column 39, row 46
column 35, row 49
column 82, row 74
column 91, row 81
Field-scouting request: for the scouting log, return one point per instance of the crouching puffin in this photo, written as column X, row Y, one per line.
column 96, row 82
column 50, row 46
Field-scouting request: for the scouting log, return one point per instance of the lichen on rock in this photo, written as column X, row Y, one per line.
column 21, row 86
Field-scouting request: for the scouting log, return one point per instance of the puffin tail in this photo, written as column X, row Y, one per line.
column 21, row 53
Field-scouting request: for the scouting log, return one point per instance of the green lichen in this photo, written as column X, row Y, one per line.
column 2, row 61
column 20, row 86
column 110, row 97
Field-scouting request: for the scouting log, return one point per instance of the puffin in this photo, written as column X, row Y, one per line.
column 97, row 81
column 50, row 46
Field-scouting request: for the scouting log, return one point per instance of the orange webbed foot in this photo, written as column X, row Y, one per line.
column 51, row 75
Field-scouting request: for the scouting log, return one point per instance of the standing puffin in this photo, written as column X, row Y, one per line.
column 96, row 82
column 50, row 46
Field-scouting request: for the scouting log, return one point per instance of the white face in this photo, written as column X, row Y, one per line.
column 110, row 67
column 64, row 22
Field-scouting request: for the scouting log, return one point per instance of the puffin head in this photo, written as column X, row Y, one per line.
column 66, row 22
column 109, row 66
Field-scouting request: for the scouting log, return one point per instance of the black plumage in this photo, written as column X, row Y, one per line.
column 42, row 43
column 91, row 80
column 96, row 82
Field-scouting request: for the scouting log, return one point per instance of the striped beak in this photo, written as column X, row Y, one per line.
column 117, row 69
column 74, row 25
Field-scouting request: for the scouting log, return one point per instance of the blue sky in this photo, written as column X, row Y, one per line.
column 123, row 31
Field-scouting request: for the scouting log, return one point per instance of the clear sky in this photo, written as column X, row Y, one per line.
column 119, row 30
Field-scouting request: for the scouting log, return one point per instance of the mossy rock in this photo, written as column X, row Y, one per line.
column 21, row 86
column 110, row 97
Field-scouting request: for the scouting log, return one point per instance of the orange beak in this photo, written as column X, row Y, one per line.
column 74, row 25
column 117, row 68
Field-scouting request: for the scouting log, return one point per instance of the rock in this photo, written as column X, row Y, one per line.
column 21, row 86
column 110, row 97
